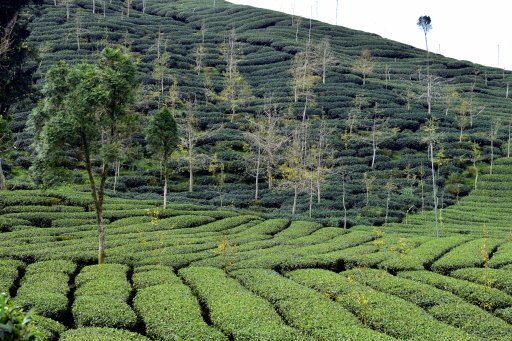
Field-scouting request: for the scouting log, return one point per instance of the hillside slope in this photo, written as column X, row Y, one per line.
column 469, row 101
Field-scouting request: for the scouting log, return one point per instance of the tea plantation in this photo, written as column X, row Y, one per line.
column 190, row 272
column 338, row 241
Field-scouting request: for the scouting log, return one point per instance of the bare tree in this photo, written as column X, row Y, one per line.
column 493, row 135
column 364, row 65
column 296, row 22
column 231, row 52
column 390, row 188
column 369, row 182
column 509, row 140
column 200, row 55
column 203, row 29
column 189, row 138
column 144, row 5
column 325, row 57
column 432, row 138
column 128, row 6
column 160, row 73
column 476, row 155
column 267, row 140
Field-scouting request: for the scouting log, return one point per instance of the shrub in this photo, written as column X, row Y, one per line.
column 485, row 297
column 102, row 310
column 496, row 278
column 171, row 312
column 101, row 297
column 471, row 254
column 50, row 329
column 101, row 334
column 45, row 287
column 423, row 255
column 153, row 275
column 473, row 320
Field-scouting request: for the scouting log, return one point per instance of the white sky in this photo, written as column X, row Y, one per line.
column 462, row 29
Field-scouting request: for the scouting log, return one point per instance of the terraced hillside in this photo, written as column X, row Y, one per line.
column 470, row 103
column 193, row 273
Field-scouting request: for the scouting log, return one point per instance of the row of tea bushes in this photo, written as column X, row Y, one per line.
column 9, row 272
column 235, row 310
column 480, row 295
column 101, row 296
column 304, row 308
column 44, row 288
column 380, row 311
column 168, row 307
column 443, row 305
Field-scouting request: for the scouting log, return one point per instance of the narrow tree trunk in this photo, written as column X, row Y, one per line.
column 476, row 172
column 509, row 141
column 492, row 155
column 422, row 197
column 387, row 207
column 434, row 188
column 506, row 95
column 257, row 181
column 310, row 197
column 93, row 6
column 67, row 9
column 165, row 190
column 3, row 185
column 344, row 204
column 190, row 177
column 294, row 207
column 104, row 8
column 374, row 143
column 101, row 236
column 269, row 177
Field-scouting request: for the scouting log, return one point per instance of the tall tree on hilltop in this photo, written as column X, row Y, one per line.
column 425, row 24
column 86, row 109
column 162, row 137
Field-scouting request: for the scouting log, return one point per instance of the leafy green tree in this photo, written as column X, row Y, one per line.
column 85, row 110
column 162, row 138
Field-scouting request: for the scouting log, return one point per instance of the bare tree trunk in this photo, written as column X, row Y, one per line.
column 165, row 190
column 374, row 142
column 344, row 203
column 67, row 9
column 269, row 177
column 506, row 95
column 294, row 207
column 144, row 3
column 104, row 8
column 190, row 173
column 93, row 6
column 3, row 185
column 387, row 207
column 310, row 197
column 476, row 172
column 256, row 187
column 509, row 141
column 434, row 188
